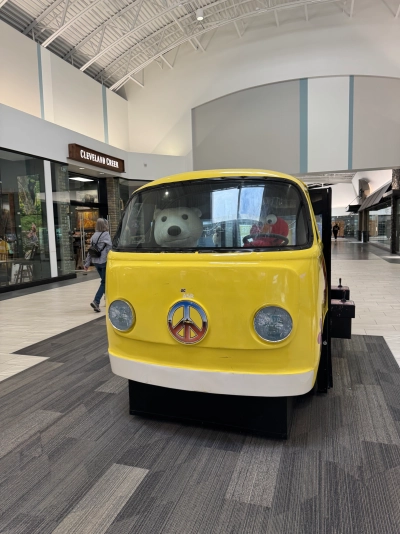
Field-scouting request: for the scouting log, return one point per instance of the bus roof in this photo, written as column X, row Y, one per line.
column 222, row 173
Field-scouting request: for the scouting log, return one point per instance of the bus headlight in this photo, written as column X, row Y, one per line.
column 273, row 323
column 121, row 315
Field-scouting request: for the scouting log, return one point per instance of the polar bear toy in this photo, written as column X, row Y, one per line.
column 177, row 227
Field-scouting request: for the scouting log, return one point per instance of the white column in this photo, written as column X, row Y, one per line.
column 50, row 219
column 328, row 124
column 47, row 84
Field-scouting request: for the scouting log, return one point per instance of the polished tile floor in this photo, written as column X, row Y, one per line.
column 34, row 317
column 372, row 274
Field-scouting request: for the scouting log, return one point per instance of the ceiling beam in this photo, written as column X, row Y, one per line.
column 352, row 8
column 276, row 17
column 136, row 81
column 124, row 79
column 42, row 16
column 306, row 12
column 166, row 62
column 128, row 34
column 99, row 28
column 237, row 29
column 396, row 16
column 132, row 48
column 240, row 16
column 2, row 2
column 66, row 5
column 72, row 21
column 183, row 31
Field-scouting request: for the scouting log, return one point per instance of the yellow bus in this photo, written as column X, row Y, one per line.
column 217, row 284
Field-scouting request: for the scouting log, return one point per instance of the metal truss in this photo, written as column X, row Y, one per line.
column 223, row 12
column 114, row 40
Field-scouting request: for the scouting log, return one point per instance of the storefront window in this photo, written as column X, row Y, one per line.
column 348, row 225
column 24, row 246
column 62, row 219
column 126, row 188
column 380, row 225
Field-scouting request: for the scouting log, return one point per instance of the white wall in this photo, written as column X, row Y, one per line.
column 328, row 123
column 77, row 100
column 19, row 77
column 342, row 196
column 117, row 113
column 153, row 166
column 375, row 179
column 70, row 98
column 24, row 133
column 335, row 45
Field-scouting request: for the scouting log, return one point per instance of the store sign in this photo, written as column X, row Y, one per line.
column 87, row 155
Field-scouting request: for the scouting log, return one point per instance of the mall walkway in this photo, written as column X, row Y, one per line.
column 372, row 274
column 72, row 459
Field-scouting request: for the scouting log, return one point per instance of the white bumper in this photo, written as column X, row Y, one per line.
column 241, row 384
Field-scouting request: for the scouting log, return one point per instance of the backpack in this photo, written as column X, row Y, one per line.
column 94, row 251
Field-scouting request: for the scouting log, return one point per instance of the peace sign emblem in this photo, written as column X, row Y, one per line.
column 187, row 322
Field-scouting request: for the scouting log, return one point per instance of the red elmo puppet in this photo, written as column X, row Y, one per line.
column 273, row 225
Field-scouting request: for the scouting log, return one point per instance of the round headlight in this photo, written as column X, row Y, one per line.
column 272, row 323
column 121, row 315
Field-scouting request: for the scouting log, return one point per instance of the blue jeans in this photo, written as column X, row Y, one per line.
column 101, row 269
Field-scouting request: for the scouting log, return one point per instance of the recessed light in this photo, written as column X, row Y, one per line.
column 81, row 168
column 101, row 172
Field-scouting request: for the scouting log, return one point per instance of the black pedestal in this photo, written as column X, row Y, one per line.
column 267, row 416
column 341, row 315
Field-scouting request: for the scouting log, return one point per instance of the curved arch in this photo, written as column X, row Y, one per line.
column 117, row 85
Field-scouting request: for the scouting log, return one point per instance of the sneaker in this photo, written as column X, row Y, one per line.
column 95, row 306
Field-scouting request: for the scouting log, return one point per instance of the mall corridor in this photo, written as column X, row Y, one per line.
column 72, row 459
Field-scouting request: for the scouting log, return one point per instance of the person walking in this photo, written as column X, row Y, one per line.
column 335, row 230
column 100, row 245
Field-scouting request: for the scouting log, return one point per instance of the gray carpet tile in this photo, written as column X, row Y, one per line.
column 115, row 385
column 98, row 508
column 72, row 459
column 256, row 470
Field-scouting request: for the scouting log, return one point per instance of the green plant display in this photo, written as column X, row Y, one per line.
column 30, row 205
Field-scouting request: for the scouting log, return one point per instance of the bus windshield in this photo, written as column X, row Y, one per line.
column 216, row 214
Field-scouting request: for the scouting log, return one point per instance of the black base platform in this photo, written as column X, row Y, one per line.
column 267, row 416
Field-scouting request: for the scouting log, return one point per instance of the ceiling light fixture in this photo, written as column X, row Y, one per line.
column 81, row 168
column 199, row 14
column 80, row 179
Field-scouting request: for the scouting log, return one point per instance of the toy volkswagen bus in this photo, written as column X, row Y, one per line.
column 216, row 284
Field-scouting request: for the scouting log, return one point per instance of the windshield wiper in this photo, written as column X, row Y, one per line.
column 221, row 250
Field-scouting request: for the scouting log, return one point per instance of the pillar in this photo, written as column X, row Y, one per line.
column 394, row 231
column 113, row 200
column 50, row 219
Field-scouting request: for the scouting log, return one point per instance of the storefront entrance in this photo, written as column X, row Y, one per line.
column 348, row 225
column 88, row 196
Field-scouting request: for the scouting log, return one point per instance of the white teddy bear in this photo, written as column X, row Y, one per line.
column 177, row 227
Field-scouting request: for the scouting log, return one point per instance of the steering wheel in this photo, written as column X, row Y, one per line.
column 273, row 236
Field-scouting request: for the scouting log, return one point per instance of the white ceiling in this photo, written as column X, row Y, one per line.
column 114, row 40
